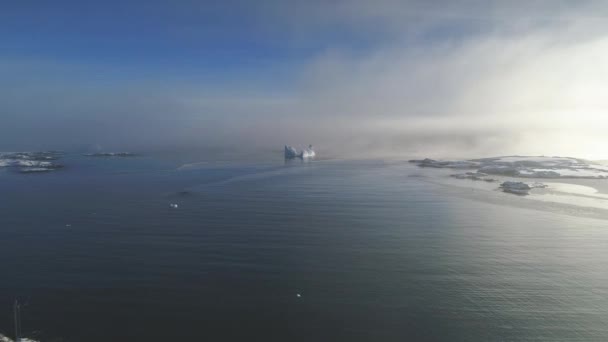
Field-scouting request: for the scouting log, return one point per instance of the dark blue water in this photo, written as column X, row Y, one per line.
column 376, row 255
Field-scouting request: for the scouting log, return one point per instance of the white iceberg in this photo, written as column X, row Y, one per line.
column 291, row 153
column 308, row 152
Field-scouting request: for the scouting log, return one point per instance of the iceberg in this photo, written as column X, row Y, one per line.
column 308, row 152
column 291, row 153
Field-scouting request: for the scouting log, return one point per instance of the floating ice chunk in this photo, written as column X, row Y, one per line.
column 299, row 295
column 308, row 152
column 173, row 205
column 35, row 169
column 290, row 152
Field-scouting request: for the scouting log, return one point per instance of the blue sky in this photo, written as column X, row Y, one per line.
column 136, row 39
column 168, row 38
column 388, row 77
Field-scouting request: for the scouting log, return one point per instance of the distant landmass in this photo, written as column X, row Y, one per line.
column 524, row 166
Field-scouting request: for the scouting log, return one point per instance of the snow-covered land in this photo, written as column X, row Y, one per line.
column 524, row 167
column 520, row 188
column 28, row 162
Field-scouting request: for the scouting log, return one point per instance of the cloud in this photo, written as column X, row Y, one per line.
column 455, row 79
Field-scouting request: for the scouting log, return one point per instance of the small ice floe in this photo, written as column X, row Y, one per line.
column 299, row 295
column 291, row 153
column 520, row 188
column 173, row 205
column 539, row 185
column 111, row 154
column 35, row 169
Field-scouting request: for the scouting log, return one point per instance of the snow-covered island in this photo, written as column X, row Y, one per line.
column 291, row 153
column 520, row 188
column 31, row 162
column 524, row 167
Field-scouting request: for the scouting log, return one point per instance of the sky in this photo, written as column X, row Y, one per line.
column 355, row 78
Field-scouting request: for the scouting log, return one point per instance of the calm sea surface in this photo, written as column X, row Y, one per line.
column 95, row 253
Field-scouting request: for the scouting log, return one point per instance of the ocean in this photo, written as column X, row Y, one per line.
column 269, row 250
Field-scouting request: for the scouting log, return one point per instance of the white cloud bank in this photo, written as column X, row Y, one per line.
column 516, row 78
